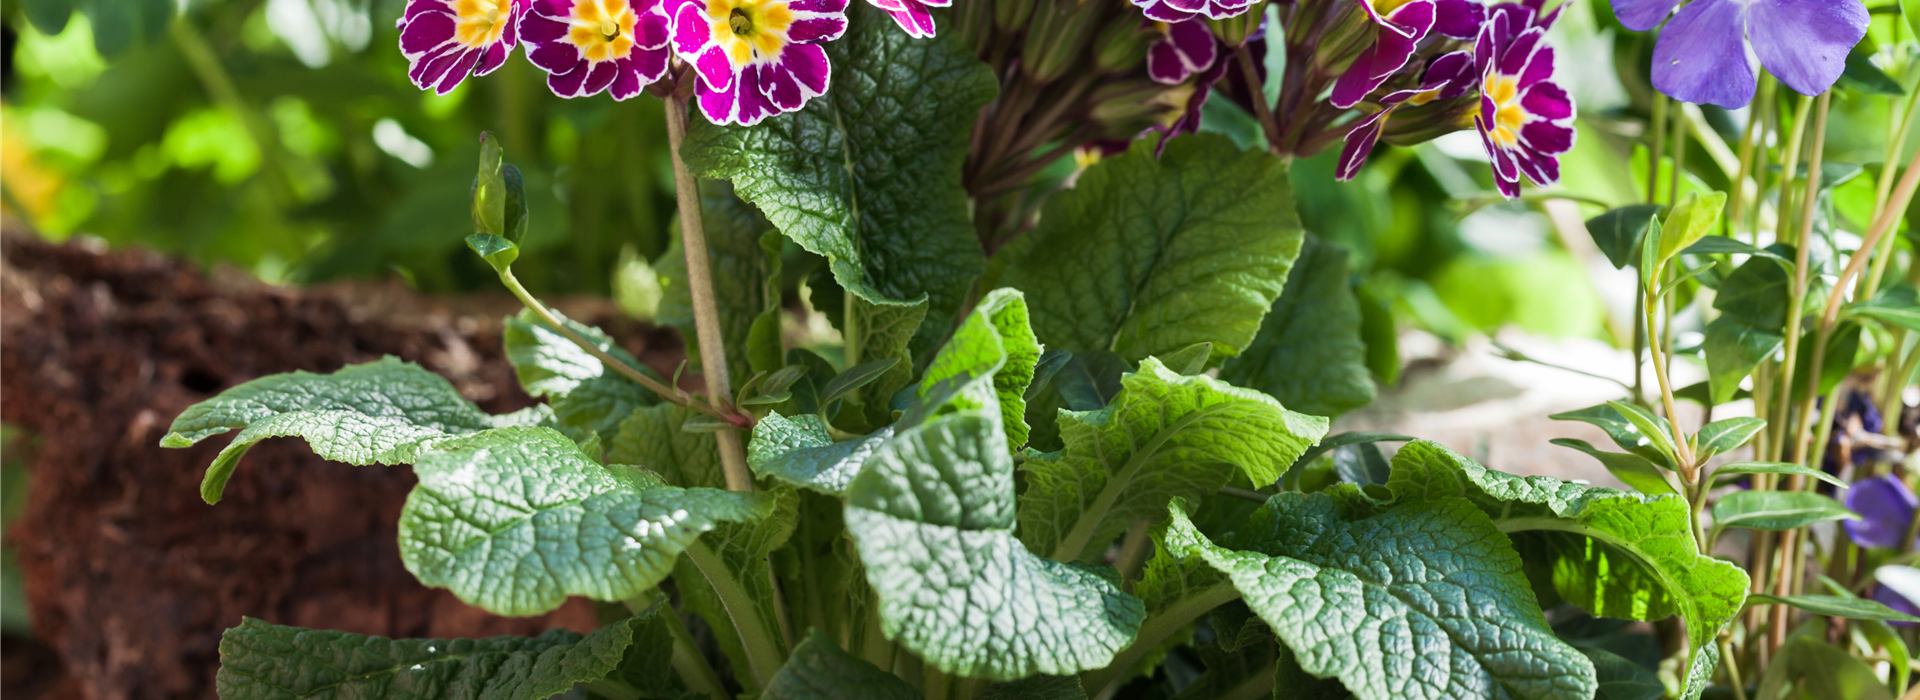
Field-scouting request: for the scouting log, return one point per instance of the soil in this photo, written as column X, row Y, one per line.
column 130, row 577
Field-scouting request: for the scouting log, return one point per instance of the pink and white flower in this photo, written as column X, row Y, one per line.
column 1448, row 77
column 1182, row 49
column 1177, row 10
column 447, row 40
column 1525, row 119
column 912, row 15
column 756, row 58
column 587, row 46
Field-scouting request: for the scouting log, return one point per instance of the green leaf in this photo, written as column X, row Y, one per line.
column 800, row 451
column 1776, row 510
column 1897, row 305
column 119, row 25
column 932, row 515
column 1777, row 468
column 48, row 16
column 1843, row 348
column 1351, row 595
column 1036, row 688
column 498, row 252
column 1723, row 245
column 1654, row 428
column 1631, row 469
column 584, row 392
column 1834, row 606
column 1146, row 256
column 382, row 412
column 870, row 174
column 856, row 377
column 995, row 340
column 1622, row 431
column 1087, row 381
column 1618, row 232
column 1757, row 292
column 1351, row 437
column 1615, row 553
column 1822, row 671
column 515, row 520
column 746, row 277
column 1164, row 436
column 1308, row 353
column 734, row 555
column 1860, row 75
column 491, row 192
column 1620, row 679
column 654, row 438
column 1727, row 435
column 261, row 661
column 887, row 330
column 1733, row 350
column 1910, row 11
column 820, row 670
column 1190, row 360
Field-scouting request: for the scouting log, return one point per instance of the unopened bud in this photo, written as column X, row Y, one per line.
column 1060, row 33
column 1125, row 108
column 499, row 207
column 1121, row 45
column 1235, row 30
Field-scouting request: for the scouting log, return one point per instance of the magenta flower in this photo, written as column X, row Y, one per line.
column 912, row 15
column 1400, row 31
column 587, row 46
column 1448, row 77
column 1177, row 10
column 447, row 40
column 1182, row 49
column 1525, row 119
column 1886, row 507
column 756, row 58
column 1702, row 55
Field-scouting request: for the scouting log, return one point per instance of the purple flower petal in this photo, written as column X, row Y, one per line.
column 491, row 58
column 653, row 30
column 1886, row 507
column 541, row 29
column 1899, row 588
column 1183, row 49
column 627, row 81
column 1360, row 142
column 458, row 72
column 1540, row 168
column 426, row 32
column 1458, row 19
column 1547, row 138
column 801, row 74
column 718, row 105
column 1642, row 15
column 1548, row 101
column 568, row 84
column 915, row 20
column 1805, row 42
column 817, row 29
column 599, row 76
column 825, row 7
column 1387, row 55
column 554, row 57
column 1702, row 58
column 715, row 69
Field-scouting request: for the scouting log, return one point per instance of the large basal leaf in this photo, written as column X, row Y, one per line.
column 515, row 520
column 651, row 438
column 886, row 330
column 932, row 514
column 261, row 661
column 1309, row 353
column 800, row 451
column 820, row 670
column 1146, row 256
column 1164, row 436
column 746, row 276
column 1425, row 601
column 869, row 174
column 995, row 340
column 583, row 391
column 1615, row 553
column 382, row 412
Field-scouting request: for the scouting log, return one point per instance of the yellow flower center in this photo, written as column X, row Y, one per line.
column 480, row 23
column 603, row 29
column 749, row 30
column 1508, row 115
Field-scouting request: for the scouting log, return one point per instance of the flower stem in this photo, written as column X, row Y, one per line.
column 1815, row 152
column 1797, row 294
column 1885, row 253
column 762, row 649
column 706, row 316
column 1261, row 110
column 1153, row 631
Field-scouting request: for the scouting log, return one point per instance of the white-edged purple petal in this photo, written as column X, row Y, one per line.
column 1360, row 142
column 1183, row 49
column 1701, row 56
column 1388, row 54
column 915, row 20
column 1805, row 42
column 1458, row 19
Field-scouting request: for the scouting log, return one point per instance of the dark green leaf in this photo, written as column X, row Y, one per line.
column 1308, row 353
column 1036, row 688
column 819, row 670
column 1862, row 76
column 1757, row 292
column 855, row 377
column 1620, row 679
column 1723, row 245
column 652, row 438
column 1618, row 232
column 1361, row 464
column 1631, row 469
column 1842, row 349
column 1733, row 350
column 1776, row 510
column 1834, row 606
column 48, row 16
column 1896, row 305
column 1351, row 437
column 1777, row 468
column 886, row 330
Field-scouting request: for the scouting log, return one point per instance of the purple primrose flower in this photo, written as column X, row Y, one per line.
column 447, row 40
column 1448, row 77
column 1400, row 32
column 757, row 58
column 1886, row 507
column 587, row 46
column 1525, row 119
column 1182, row 49
column 912, row 15
column 1705, row 55
column 1177, row 10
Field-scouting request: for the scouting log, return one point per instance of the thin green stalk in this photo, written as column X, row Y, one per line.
column 850, row 340
column 874, row 645
column 1736, row 209
column 1134, row 550
column 764, row 656
column 1797, row 294
column 1727, row 661
column 937, row 685
column 706, row 314
column 1153, row 631
column 1679, row 159
column 1902, row 124
column 1816, row 152
column 1688, row 468
column 1657, row 128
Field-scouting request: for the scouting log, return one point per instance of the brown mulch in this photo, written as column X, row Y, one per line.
column 130, row 577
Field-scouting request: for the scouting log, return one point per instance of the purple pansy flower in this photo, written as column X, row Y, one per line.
column 1177, row 10
column 1703, row 54
column 587, row 46
column 1886, row 507
column 447, row 40
column 1525, row 119
column 757, row 58
column 1400, row 32
column 912, row 15
column 1182, row 49
column 1448, row 77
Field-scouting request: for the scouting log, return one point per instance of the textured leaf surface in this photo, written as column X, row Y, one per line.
column 1422, row 602
column 261, row 661
column 869, row 174
column 1309, row 353
column 515, row 520
column 996, row 339
column 1621, row 679
column 887, row 330
column 745, row 275
column 1164, row 436
column 799, row 451
column 651, row 438
column 819, row 670
column 382, row 412
column 1146, row 256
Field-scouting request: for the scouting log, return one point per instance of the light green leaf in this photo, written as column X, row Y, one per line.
column 1654, row 428
column 515, row 520
column 1622, row 431
column 1777, row 468
column 746, row 277
column 1631, row 469
column 869, row 175
column 819, row 670
column 261, row 661
column 1615, row 553
column 1897, row 305
column 1822, row 671
column 1146, row 256
column 800, row 451
column 654, row 438
column 1723, row 245
column 1618, row 232
column 1309, row 353
column 1353, row 596
column 498, row 252
column 933, row 515
column 1190, row 360
column 1834, row 606
column 1776, row 510
column 1727, row 435
column 1689, row 221
column 584, row 392
column 1164, row 436
column 996, row 340
column 382, row 412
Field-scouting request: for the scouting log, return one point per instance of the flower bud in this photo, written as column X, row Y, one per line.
column 499, row 207
column 1235, row 30
column 1059, row 33
column 1125, row 108
column 1121, row 45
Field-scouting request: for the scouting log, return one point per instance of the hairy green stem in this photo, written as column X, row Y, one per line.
column 706, row 314
column 763, row 651
column 1153, row 631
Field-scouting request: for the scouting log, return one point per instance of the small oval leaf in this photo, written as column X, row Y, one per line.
column 1777, row 510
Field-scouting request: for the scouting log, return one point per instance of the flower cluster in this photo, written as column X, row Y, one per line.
column 446, row 40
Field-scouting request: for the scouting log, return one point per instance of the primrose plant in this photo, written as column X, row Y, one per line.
column 1073, row 440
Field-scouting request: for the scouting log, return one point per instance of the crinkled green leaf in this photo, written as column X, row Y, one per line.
column 799, row 451
column 1309, row 353
column 382, row 412
column 887, row 330
column 653, row 438
column 515, row 520
column 995, row 339
column 584, row 392
column 869, row 174
column 1145, row 256
column 261, row 661
column 1164, row 436
column 1421, row 602
column 746, row 276
column 1776, row 510
column 1615, row 553
column 820, row 670
column 932, row 514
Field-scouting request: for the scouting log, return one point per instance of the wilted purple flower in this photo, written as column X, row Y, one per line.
column 1702, row 55
column 1400, row 31
column 447, row 40
column 757, row 58
column 1448, row 77
column 587, row 46
column 1525, row 119
column 912, row 15
column 1886, row 507
column 1176, row 10
column 1182, row 49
